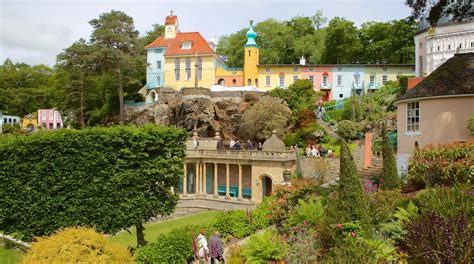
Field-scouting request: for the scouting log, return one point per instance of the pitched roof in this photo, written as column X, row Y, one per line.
column 173, row 46
column 454, row 77
column 199, row 44
column 170, row 20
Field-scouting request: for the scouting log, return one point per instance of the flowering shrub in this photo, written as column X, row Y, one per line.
column 441, row 165
column 369, row 186
column 303, row 244
column 437, row 239
column 286, row 198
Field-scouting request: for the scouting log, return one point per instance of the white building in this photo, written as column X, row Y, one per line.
column 435, row 45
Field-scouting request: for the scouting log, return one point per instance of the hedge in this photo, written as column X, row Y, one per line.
column 109, row 178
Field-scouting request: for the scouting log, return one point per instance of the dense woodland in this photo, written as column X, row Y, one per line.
column 92, row 77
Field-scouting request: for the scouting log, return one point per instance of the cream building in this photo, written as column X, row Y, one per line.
column 437, row 109
column 235, row 175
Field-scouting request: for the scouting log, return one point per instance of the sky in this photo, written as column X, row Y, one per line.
column 35, row 31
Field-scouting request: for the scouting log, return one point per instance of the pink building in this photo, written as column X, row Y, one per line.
column 50, row 119
column 321, row 77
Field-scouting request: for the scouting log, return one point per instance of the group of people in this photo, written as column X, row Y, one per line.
column 312, row 151
column 235, row 145
column 214, row 251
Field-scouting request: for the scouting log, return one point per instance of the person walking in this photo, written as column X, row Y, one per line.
column 216, row 247
column 202, row 245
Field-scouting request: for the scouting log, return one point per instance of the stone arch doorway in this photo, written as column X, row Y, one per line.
column 221, row 81
column 267, row 185
column 152, row 97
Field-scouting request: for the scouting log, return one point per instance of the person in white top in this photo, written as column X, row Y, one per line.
column 202, row 244
column 232, row 143
column 313, row 151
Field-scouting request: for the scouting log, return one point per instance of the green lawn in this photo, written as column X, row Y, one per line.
column 9, row 256
column 153, row 230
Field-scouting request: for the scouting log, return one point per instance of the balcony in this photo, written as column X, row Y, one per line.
column 374, row 86
column 326, row 86
column 357, row 86
column 241, row 154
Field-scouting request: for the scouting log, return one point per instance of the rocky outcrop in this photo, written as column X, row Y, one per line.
column 191, row 112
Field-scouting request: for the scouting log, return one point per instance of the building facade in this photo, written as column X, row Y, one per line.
column 435, row 45
column 185, row 59
column 50, row 119
column 437, row 109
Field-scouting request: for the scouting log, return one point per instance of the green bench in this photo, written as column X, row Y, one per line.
column 234, row 191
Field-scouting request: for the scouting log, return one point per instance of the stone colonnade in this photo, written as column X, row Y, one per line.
column 201, row 173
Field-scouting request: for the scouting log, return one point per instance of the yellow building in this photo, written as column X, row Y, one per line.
column 251, row 58
column 278, row 75
column 29, row 122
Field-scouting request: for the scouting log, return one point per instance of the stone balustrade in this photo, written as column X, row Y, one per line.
column 242, row 154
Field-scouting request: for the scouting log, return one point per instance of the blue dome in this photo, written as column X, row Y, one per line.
column 251, row 36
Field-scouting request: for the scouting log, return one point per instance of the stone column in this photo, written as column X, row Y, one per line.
column 227, row 181
column 198, row 180
column 204, row 179
column 216, row 194
column 240, row 183
column 185, row 181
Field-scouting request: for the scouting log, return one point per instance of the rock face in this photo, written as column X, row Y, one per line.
column 189, row 112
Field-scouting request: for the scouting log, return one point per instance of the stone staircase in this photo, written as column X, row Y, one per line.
column 374, row 170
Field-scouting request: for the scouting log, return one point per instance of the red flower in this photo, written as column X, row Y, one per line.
column 339, row 226
column 353, row 234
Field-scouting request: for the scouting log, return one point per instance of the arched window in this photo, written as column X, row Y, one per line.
column 51, row 126
column 249, row 53
column 249, row 82
column 325, row 79
column 234, row 82
column 221, row 81
column 256, row 82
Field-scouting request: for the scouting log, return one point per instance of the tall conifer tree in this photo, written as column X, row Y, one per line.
column 389, row 171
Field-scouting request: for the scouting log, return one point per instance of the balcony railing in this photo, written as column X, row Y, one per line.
column 357, row 86
column 325, row 86
column 374, row 86
column 241, row 154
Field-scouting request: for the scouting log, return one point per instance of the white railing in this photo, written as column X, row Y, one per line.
column 241, row 154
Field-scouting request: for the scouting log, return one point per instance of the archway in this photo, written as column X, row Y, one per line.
column 267, row 185
column 151, row 97
column 221, row 81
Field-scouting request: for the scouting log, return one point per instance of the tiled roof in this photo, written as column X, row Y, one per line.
column 173, row 46
column 199, row 45
column 160, row 42
column 454, row 77
column 170, row 20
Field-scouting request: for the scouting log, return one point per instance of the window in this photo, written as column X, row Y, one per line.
column 159, row 51
column 384, row 79
column 267, row 80
column 50, row 115
column 267, row 69
column 234, row 82
column 158, row 64
column 339, row 69
column 439, row 48
column 341, row 95
column 311, row 69
column 249, row 53
column 256, row 82
column 413, row 117
column 176, row 69
column 372, row 80
column 295, row 69
column 420, row 64
column 311, row 78
column 199, row 65
column 460, row 46
column 472, row 44
column 188, row 68
column 384, row 68
column 325, row 80
column 339, row 80
column 169, row 28
column 420, row 45
column 282, row 80
column 249, row 82
column 357, row 78
column 158, row 81
column 43, row 116
column 186, row 45
column 449, row 46
column 295, row 78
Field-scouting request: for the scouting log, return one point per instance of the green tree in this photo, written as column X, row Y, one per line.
column 110, row 178
column 76, row 60
column 389, row 171
column 318, row 19
column 351, row 197
column 342, row 43
column 231, row 47
column 299, row 95
column 266, row 115
column 153, row 34
column 117, row 48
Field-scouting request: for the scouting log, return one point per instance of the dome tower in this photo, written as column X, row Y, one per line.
column 251, row 58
